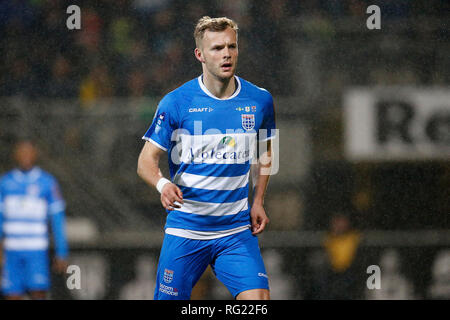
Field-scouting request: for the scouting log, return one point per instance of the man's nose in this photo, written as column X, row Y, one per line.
column 226, row 52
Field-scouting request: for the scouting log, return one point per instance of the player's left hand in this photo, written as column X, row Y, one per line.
column 259, row 219
column 60, row 265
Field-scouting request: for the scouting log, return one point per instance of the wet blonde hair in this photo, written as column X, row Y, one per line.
column 212, row 24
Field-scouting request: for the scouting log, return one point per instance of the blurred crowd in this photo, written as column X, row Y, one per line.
column 145, row 47
column 131, row 48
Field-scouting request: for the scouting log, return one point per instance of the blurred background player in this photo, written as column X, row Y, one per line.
column 343, row 274
column 210, row 221
column 29, row 198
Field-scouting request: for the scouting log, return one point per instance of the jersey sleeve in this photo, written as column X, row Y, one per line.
column 268, row 123
column 56, row 202
column 57, row 217
column 165, row 122
column 1, row 209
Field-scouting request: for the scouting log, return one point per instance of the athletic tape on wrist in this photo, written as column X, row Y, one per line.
column 161, row 183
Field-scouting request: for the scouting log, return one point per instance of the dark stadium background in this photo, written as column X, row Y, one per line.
column 87, row 96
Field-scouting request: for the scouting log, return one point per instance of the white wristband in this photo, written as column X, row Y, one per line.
column 161, row 183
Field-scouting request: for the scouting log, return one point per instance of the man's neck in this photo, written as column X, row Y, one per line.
column 220, row 88
column 26, row 170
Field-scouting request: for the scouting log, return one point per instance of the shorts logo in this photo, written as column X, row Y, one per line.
column 168, row 290
column 248, row 121
column 168, row 275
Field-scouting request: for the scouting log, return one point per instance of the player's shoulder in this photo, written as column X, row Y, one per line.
column 183, row 92
column 5, row 177
column 180, row 96
column 9, row 175
column 255, row 91
column 45, row 176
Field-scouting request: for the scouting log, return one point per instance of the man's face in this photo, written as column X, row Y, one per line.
column 25, row 155
column 219, row 53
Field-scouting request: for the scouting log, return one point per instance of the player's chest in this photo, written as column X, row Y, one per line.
column 243, row 117
column 25, row 190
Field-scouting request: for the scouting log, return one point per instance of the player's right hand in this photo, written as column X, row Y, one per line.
column 60, row 265
column 171, row 197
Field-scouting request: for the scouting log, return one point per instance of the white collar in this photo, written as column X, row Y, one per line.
column 205, row 90
column 31, row 175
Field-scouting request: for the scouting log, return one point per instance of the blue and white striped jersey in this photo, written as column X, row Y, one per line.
column 211, row 144
column 27, row 201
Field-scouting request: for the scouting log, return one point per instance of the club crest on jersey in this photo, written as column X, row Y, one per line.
column 168, row 275
column 248, row 121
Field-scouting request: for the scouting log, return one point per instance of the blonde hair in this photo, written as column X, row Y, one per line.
column 212, row 24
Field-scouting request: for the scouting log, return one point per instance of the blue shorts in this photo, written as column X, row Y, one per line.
column 235, row 260
column 25, row 271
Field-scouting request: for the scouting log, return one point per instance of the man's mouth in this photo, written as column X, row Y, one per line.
column 226, row 66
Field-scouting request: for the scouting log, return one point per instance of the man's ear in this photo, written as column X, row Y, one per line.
column 199, row 55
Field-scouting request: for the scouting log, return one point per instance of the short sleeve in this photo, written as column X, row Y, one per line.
column 165, row 122
column 268, row 124
column 56, row 202
column 1, row 209
column 1, row 198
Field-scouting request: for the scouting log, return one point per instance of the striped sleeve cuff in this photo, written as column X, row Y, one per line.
column 56, row 207
column 154, row 142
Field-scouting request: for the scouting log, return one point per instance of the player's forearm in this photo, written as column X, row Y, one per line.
column 59, row 233
column 262, row 182
column 1, row 223
column 148, row 169
column 263, row 175
column 260, row 189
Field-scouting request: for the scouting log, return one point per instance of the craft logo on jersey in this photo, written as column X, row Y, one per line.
column 168, row 275
column 248, row 121
column 203, row 109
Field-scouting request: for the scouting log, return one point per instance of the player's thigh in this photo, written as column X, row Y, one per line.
column 37, row 271
column 239, row 264
column 181, row 263
column 254, row 294
column 13, row 274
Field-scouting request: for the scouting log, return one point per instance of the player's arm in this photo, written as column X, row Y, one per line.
column 60, row 239
column 1, row 226
column 258, row 213
column 57, row 215
column 148, row 169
